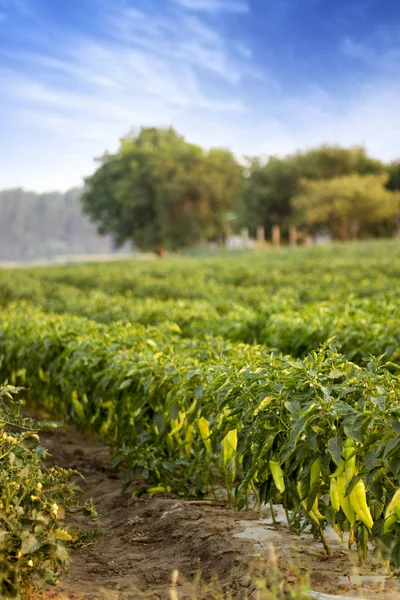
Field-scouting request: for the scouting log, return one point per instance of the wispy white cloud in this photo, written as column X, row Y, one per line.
column 368, row 116
column 244, row 50
column 215, row 6
column 380, row 52
column 354, row 49
column 62, row 104
column 143, row 69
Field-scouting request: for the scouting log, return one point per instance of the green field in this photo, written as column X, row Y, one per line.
column 271, row 374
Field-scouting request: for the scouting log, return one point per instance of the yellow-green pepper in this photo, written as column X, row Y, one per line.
column 334, row 494
column 357, row 497
column 277, row 475
column 392, row 514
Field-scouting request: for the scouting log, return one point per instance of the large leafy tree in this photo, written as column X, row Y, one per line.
column 270, row 185
column 348, row 205
column 159, row 191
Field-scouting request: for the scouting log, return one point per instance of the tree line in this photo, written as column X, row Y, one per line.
column 160, row 191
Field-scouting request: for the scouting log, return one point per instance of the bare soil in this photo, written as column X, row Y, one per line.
column 132, row 550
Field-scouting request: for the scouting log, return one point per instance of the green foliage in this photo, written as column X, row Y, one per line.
column 271, row 185
column 160, row 191
column 33, row 500
column 347, row 205
column 171, row 377
column 289, row 303
column 394, row 176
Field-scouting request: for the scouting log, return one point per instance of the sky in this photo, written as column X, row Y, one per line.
column 256, row 76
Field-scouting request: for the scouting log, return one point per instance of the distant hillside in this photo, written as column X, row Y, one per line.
column 42, row 226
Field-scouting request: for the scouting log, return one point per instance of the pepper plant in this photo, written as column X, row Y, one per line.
column 223, row 374
column 33, row 502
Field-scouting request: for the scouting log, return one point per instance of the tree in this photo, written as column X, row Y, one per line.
column 270, row 185
column 347, row 205
column 394, row 176
column 159, row 191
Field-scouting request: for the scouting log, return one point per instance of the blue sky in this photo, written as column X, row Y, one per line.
column 256, row 76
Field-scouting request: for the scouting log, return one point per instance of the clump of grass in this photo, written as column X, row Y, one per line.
column 263, row 581
column 84, row 538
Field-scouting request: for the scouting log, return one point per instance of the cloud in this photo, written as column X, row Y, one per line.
column 356, row 50
column 215, row 6
column 368, row 116
column 379, row 52
column 244, row 50
column 140, row 68
column 153, row 59
column 64, row 103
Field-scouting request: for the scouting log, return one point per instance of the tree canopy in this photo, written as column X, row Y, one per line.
column 158, row 190
column 346, row 205
column 270, row 185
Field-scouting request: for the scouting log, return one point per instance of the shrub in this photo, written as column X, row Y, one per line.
column 33, row 501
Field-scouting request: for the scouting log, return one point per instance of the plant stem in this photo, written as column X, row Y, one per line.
column 325, row 542
column 260, row 514
column 287, row 516
column 229, row 496
column 271, row 506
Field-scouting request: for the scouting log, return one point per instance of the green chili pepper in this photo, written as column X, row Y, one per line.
column 315, row 472
column 334, row 494
column 339, row 470
column 392, row 514
column 314, row 513
column 350, row 459
column 277, row 475
column 344, row 500
column 358, row 500
column 205, row 433
column 357, row 497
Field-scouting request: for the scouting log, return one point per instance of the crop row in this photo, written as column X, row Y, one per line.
column 195, row 415
column 304, row 275
column 363, row 326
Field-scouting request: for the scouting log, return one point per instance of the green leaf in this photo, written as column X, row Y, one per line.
column 335, row 447
column 330, row 515
column 125, row 384
column 241, row 504
column 353, row 483
column 352, row 433
column 370, row 459
column 63, row 535
column 336, row 373
column 390, row 446
column 395, row 425
column 394, row 466
column 293, row 406
column 30, row 544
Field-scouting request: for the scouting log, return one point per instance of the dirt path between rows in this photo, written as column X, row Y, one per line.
column 132, row 550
